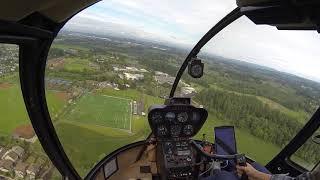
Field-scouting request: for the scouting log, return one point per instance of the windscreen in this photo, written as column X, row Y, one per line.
column 110, row 63
column 262, row 81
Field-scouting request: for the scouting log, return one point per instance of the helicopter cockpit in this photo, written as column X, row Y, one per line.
column 170, row 152
column 99, row 103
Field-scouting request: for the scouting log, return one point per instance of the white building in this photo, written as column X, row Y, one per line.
column 33, row 171
column 10, row 156
column 133, row 77
column 187, row 90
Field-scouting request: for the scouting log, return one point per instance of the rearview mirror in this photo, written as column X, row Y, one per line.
column 316, row 139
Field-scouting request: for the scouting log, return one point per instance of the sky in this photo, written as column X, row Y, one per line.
column 184, row 22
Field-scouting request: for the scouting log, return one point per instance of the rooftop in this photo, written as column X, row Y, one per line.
column 18, row 150
column 6, row 164
column 12, row 155
column 21, row 166
column 33, row 168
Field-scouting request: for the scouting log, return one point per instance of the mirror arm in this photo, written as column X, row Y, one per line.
column 231, row 17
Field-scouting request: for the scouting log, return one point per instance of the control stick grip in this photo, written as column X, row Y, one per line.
column 241, row 161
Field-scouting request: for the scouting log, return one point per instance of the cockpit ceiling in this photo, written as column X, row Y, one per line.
column 56, row 10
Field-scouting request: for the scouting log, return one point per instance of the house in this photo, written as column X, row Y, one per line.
column 20, row 170
column 18, row 150
column 11, row 156
column 6, row 166
column 33, row 171
column 2, row 152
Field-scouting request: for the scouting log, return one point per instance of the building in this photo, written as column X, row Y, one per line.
column 2, row 152
column 18, row 150
column 33, row 171
column 130, row 69
column 6, row 166
column 20, row 170
column 11, row 156
column 161, row 78
column 187, row 90
column 133, row 77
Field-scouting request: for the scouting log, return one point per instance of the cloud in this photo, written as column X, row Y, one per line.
column 184, row 22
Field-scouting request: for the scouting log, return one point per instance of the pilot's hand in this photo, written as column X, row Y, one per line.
column 252, row 173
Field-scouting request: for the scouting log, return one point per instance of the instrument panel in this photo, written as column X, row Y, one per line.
column 176, row 120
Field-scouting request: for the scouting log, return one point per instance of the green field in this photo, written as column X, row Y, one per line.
column 77, row 64
column 12, row 109
column 101, row 110
column 99, row 141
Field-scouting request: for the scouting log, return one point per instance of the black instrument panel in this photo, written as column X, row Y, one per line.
column 176, row 121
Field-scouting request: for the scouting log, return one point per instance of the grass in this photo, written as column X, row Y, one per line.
column 55, row 102
column 99, row 141
column 77, row 65
column 101, row 110
column 134, row 95
column 12, row 108
column 69, row 46
column 300, row 116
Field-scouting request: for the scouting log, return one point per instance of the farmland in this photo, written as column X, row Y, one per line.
column 12, row 109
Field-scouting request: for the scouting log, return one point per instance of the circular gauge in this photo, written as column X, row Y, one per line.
column 170, row 116
column 162, row 131
column 182, row 117
column 188, row 130
column 196, row 70
column 156, row 117
column 175, row 130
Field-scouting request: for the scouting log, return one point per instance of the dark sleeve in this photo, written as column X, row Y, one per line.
column 304, row 176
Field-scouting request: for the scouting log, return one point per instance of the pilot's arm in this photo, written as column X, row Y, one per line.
column 254, row 174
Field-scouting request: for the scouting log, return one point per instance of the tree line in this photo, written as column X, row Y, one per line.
column 259, row 119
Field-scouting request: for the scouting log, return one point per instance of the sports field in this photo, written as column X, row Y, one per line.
column 101, row 110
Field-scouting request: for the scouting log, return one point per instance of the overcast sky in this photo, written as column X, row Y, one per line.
column 184, row 22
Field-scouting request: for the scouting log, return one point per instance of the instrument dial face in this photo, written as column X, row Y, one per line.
column 156, row 117
column 182, row 117
column 188, row 130
column 196, row 70
column 170, row 116
column 162, row 130
column 175, row 130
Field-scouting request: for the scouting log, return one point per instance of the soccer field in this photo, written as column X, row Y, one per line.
column 102, row 110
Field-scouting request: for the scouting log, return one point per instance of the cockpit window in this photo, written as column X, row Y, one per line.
column 114, row 60
column 109, row 64
column 21, row 155
column 261, row 81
